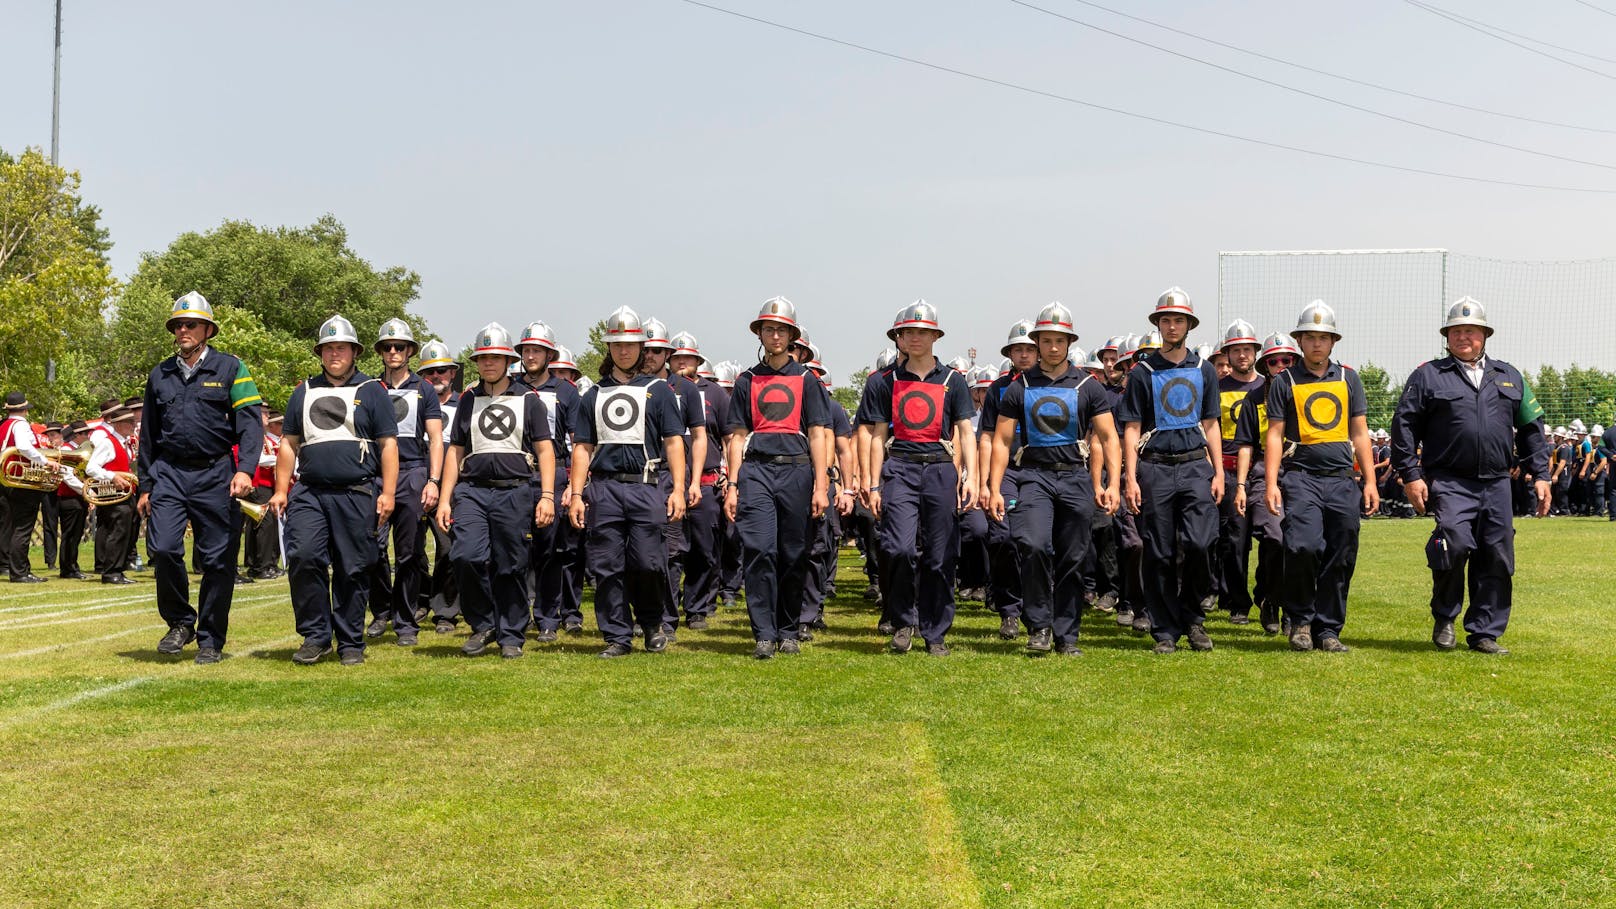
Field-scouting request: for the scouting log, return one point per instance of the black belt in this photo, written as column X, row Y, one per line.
column 364, row 488
column 1056, row 466
column 192, row 463
column 1343, row 472
column 622, row 477
column 1183, row 457
column 780, row 459
column 499, row 484
column 918, row 458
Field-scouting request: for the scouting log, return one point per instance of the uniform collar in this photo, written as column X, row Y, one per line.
column 320, row 381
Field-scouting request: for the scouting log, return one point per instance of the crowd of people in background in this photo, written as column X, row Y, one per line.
column 1131, row 481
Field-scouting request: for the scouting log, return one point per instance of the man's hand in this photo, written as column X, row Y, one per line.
column 994, row 505
column 1418, row 494
column 967, row 496
column 143, row 506
column 544, row 511
column 1131, row 495
column 874, row 502
column 819, row 503
column 844, row 502
column 1274, row 499
column 1541, row 487
column 576, row 511
column 1371, row 498
column 241, row 485
column 693, row 498
column 444, row 518
column 732, row 498
column 1217, row 486
column 1240, row 500
column 384, row 509
column 429, row 497
column 676, row 506
column 276, row 504
column 124, row 481
column 1107, row 498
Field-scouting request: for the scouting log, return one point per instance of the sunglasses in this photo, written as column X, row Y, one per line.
column 393, row 348
column 1281, row 360
column 190, row 324
column 436, row 369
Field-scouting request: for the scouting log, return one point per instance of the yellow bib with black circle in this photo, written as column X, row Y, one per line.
column 1321, row 412
column 1229, row 406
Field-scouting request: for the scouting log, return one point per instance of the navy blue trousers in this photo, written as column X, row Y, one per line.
column 627, row 556
column 1004, row 560
column 919, row 537
column 543, row 561
column 394, row 588
column 1051, row 527
column 1178, row 524
column 1474, row 541
column 199, row 496
column 972, row 568
column 1231, row 556
column 772, row 515
column 674, row 541
column 330, row 554
column 492, row 528
column 1321, row 548
column 704, row 553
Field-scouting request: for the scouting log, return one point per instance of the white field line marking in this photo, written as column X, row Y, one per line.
column 79, row 605
column 124, row 685
column 112, row 604
column 38, row 621
column 269, row 600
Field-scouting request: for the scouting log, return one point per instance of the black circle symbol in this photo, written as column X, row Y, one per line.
column 1169, row 391
column 620, row 412
column 328, row 412
column 1051, row 416
column 776, row 401
column 906, row 406
column 1235, row 409
column 401, row 408
column 1330, row 398
column 496, row 422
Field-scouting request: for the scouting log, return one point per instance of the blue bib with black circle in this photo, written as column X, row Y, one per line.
column 1177, row 395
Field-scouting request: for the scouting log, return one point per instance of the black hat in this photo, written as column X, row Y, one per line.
column 53, row 426
column 16, row 400
column 134, row 402
column 116, row 414
column 77, row 426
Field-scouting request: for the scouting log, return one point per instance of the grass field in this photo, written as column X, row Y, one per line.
column 1250, row 776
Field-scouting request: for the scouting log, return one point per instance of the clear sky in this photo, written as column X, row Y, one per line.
column 555, row 160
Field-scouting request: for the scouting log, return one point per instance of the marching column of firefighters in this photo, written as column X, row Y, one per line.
column 1133, row 481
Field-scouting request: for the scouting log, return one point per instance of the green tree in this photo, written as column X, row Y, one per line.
column 590, row 358
column 54, row 282
column 270, row 289
column 1380, row 394
column 848, row 393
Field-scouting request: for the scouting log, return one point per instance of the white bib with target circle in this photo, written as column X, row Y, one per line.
column 497, row 424
column 549, row 398
column 620, row 414
column 406, row 410
column 328, row 414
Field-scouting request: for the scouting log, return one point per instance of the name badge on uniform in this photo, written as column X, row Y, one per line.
column 1177, row 395
column 1051, row 417
column 620, row 414
column 1321, row 412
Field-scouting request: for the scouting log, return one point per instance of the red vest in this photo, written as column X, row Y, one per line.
column 265, row 476
column 19, row 425
column 120, row 451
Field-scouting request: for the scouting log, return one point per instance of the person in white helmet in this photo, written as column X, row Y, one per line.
column 1279, row 352
column 550, row 550
column 655, row 359
column 342, row 438
column 1237, row 379
column 1004, row 561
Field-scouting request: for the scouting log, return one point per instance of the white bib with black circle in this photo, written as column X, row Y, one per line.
column 406, row 410
column 620, row 414
column 328, row 415
column 497, row 424
column 550, row 399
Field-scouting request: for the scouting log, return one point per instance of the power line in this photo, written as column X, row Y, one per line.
column 1314, row 95
column 1599, row 9
column 1317, row 153
column 1501, row 29
column 1355, row 81
column 1525, row 47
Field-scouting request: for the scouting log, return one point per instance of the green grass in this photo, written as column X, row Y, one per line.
column 1250, row 776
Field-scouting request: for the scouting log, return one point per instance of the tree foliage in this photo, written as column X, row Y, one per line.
column 590, row 358
column 1576, row 393
column 1380, row 394
column 54, row 282
column 271, row 288
column 848, row 393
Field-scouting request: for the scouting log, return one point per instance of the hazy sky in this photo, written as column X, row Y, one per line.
column 555, row 160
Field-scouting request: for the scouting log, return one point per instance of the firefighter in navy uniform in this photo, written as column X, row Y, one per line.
column 341, row 438
column 439, row 591
column 703, row 521
column 1004, row 563
column 199, row 404
column 914, row 490
column 1231, row 566
column 420, row 470
column 1279, row 352
column 1170, row 412
column 1054, row 408
column 629, row 428
column 552, row 545
column 1318, row 405
column 779, row 427
column 499, row 440
column 828, row 529
column 1469, row 416
column 657, row 353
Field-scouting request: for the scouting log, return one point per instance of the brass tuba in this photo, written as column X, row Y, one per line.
column 104, row 492
column 18, row 472
column 253, row 511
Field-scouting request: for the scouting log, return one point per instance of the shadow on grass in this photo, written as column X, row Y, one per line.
column 152, row 656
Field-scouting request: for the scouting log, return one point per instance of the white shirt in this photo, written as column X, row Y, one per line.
column 101, row 451
column 22, row 439
column 190, row 370
column 1474, row 373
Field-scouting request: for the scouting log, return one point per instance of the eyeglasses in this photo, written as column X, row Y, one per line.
column 436, row 369
column 393, row 348
column 1281, row 360
column 189, row 324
